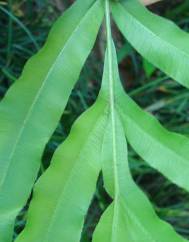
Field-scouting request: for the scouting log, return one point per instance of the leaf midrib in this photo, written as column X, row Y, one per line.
column 113, row 122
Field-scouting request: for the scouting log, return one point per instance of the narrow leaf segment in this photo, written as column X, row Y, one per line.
column 33, row 106
column 166, row 46
column 130, row 217
column 159, row 40
column 63, row 193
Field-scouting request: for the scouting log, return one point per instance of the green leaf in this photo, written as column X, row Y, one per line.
column 97, row 141
column 31, row 109
column 63, row 193
column 157, row 39
column 165, row 151
column 130, row 217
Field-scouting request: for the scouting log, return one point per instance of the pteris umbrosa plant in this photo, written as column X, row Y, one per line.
column 31, row 109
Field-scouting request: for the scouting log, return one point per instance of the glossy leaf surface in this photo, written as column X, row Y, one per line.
column 130, row 218
column 163, row 44
column 63, row 194
column 33, row 106
column 165, row 151
column 159, row 40
column 96, row 142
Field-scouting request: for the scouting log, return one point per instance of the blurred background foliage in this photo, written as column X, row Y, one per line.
column 24, row 26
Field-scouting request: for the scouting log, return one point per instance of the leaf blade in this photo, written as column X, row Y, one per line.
column 165, row 49
column 41, row 98
column 130, row 217
column 163, row 150
column 67, row 187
